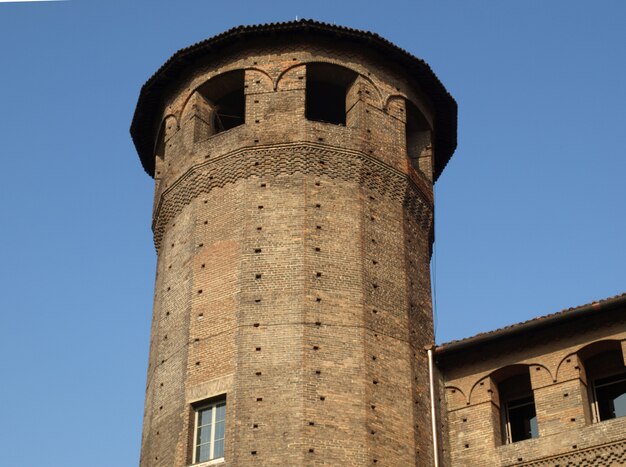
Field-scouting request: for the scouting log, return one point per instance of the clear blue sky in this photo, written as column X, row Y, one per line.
column 530, row 210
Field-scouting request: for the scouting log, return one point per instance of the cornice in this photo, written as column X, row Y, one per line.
column 412, row 190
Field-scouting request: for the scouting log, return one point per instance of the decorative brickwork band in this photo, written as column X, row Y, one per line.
column 605, row 455
column 288, row 159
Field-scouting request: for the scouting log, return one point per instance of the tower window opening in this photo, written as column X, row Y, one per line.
column 326, row 89
column 226, row 97
column 159, row 149
column 517, row 405
column 418, row 137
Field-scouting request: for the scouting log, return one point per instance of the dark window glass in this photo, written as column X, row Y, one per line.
column 522, row 419
column 606, row 373
column 517, row 405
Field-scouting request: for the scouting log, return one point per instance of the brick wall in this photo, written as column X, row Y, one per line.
column 568, row 434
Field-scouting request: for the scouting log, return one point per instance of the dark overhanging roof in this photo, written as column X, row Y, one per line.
column 149, row 104
column 569, row 315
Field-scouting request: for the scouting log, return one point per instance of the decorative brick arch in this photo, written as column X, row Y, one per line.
column 337, row 63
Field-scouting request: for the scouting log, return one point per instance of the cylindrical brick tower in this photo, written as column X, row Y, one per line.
column 293, row 221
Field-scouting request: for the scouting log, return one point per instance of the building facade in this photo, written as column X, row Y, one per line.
column 547, row 392
column 294, row 166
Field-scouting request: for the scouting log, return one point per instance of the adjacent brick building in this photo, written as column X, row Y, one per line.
column 293, row 220
column 547, row 392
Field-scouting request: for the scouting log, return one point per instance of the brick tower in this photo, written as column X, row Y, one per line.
column 293, row 221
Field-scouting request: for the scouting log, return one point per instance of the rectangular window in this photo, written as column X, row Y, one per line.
column 210, row 425
column 610, row 396
column 606, row 373
column 517, row 403
column 521, row 420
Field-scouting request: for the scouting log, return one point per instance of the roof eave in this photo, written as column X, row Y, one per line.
column 142, row 127
column 583, row 311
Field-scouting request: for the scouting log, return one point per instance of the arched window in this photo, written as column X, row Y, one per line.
column 606, row 379
column 159, row 147
column 168, row 128
column 517, row 404
column 418, row 140
column 326, row 89
column 226, row 99
column 417, row 131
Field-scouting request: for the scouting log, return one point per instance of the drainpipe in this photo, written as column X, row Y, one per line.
column 433, row 417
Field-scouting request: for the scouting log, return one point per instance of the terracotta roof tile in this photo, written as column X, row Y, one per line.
column 559, row 316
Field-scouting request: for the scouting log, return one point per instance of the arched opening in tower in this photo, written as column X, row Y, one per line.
column 418, row 139
column 326, row 89
column 225, row 94
column 159, row 147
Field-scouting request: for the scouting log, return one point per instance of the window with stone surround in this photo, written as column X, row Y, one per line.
column 606, row 380
column 209, row 431
column 517, row 406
